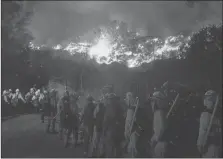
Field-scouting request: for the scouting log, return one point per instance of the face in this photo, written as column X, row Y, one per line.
column 129, row 98
column 209, row 101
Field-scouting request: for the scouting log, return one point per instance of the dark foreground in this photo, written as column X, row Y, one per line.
column 24, row 137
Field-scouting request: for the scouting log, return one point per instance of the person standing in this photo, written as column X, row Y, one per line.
column 158, row 141
column 53, row 100
column 210, row 147
column 88, row 123
column 112, row 124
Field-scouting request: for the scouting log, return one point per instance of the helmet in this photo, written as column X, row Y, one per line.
column 158, row 95
column 210, row 99
column 166, row 84
column 17, row 90
column 210, row 93
column 111, row 95
column 129, row 94
column 129, row 98
column 10, row 90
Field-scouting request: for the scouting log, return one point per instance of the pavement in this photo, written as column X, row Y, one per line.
column 11, row 116
column 24, row 136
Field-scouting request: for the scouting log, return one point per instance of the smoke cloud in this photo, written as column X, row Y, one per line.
column 57, row 22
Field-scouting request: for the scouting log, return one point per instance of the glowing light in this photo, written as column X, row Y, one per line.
column 57, row 47
column 102, row 48
column 132, row 63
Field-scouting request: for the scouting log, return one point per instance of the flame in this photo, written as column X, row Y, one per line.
column 103, row 48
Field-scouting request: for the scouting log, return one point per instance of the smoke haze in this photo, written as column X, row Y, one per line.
column 60, row 22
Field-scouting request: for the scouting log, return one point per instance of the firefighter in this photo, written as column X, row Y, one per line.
column 62, row 102
column 5, row 103
column 35, row 101
column 143, row 130
column 210, row 147
column 10, row 95
column 43, row 104
column 28, row 98
column 131, row 105
column 67, row 120
column 76, row 122
column 88, row 123
column 159, row 107
column 17, row 100
column 52, row 110
column 112, row 124
column 98, row 128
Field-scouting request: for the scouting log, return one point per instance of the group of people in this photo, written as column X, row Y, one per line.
column 173, row 122
column 34, row 101
column 11, row 102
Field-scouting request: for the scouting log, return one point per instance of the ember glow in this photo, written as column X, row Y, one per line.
column 101, row 49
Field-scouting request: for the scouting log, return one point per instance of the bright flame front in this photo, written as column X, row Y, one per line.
column 102, row 48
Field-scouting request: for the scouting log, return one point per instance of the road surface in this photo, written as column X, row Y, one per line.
column 24, row 136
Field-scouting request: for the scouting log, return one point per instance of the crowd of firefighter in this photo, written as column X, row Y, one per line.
column 173, row 121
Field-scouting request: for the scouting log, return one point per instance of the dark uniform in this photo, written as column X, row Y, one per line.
column 67, row 117
column 143, row 128
column 46, row 109
column 112, row 126
column 28, row 98
column 53, row 100
column 76, row 120
column 88, row 123
column 98, row 128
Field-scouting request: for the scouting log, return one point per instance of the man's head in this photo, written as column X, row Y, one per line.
column 210, row 99
column 129, row 99
column 157, row 99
